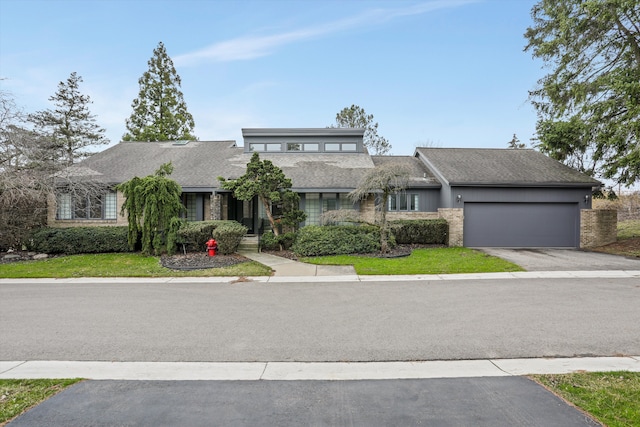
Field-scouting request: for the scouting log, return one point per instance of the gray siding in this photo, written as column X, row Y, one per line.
column 519, row 195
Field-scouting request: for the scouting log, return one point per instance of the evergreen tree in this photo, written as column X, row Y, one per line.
column 356, row 117
column 153, row 207
column 159, row 111
column 515, row 143
column 69, row 128
column 268, row 182
column 592, row 51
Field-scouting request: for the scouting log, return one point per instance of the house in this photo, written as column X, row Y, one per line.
column 491, row 197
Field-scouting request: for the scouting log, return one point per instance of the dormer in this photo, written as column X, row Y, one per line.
column 304, row 140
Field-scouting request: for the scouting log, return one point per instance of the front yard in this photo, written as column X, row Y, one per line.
column 628, row 243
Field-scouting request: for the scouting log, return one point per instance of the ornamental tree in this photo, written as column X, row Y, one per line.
column 153, row 209
column 269, row 183
column 159, row 112
column 382, row 181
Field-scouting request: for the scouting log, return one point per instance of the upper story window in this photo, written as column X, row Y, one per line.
column 403, row 202
column 335, row 146
column 260, row 147
column 296, row 146
column 86, row 206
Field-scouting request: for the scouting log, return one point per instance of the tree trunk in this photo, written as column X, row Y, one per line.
column 267, row 209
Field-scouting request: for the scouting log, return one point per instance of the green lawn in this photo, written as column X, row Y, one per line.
column 422, row 261
column 17, row 396
column 611, row 397
column 628, row 229
column 118, row 265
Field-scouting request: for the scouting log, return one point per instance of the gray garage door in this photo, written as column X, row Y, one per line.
column 522, row 225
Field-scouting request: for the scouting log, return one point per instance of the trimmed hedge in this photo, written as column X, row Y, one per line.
column 315, row 240
column 423, row 231
column 271, row 242
column 79, row 240
column 194, row 234
column 228, row 236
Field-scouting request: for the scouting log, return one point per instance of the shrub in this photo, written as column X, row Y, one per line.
column 228, row 236
column 79, row 240
column 423, row 231
column 315, row 240
column 194, row 235
column 271, row 242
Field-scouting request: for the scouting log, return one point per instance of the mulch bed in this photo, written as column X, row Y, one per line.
column 200, row 260
column 397, row 252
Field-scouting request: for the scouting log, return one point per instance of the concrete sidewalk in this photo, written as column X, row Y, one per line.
column 286, row 267
column 295, row 371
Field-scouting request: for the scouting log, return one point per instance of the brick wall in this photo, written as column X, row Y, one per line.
column 455, row 218
column 598, row 227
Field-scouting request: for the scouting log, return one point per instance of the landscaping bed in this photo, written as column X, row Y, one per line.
column 200, row 260
column 397, row 252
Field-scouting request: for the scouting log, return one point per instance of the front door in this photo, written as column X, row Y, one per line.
column 245, row 212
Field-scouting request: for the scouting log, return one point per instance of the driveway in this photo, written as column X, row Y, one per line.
column 540, row 259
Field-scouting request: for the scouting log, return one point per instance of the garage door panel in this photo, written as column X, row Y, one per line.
column 521, row 224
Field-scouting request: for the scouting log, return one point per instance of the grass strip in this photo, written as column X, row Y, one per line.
column 18, row 396
column 118, row 265
column 422, row 261
column 613, row 398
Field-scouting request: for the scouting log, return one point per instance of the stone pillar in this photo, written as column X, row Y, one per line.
column 368, row 209
column 455, row 218
column 598, row 227
column 216, row 206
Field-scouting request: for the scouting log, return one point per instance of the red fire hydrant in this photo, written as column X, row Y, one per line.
column 212, row 247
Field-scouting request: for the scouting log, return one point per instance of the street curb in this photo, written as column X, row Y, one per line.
column 618, row 274
column 296, row 371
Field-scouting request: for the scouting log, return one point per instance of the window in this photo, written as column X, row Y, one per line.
column 335, row 146
column 264, row 147
column 312, row 208
column 403, row 202
column 295, row 146
column 189, row 202
column 86, row 206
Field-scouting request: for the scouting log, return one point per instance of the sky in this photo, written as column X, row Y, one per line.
column 442, row 73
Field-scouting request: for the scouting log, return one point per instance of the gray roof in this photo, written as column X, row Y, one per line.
column 421, row 176
column 197, row 165
column 501, row 167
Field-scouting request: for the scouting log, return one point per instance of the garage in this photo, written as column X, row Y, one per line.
column 525, row 225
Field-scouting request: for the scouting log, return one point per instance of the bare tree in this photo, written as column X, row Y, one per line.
column 30, row 171
column 382, row 181
column 24, row 172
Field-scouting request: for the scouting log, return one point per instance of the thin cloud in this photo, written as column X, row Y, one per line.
column 250, row 47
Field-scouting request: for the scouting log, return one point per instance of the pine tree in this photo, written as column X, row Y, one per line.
column 356, row 117
column 69, row 128
column 159, row 111
column 269, row 183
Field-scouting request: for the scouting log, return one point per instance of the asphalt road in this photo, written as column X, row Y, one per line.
column 352, row 321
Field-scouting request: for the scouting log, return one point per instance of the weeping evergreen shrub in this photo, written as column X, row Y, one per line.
column 153, row 208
